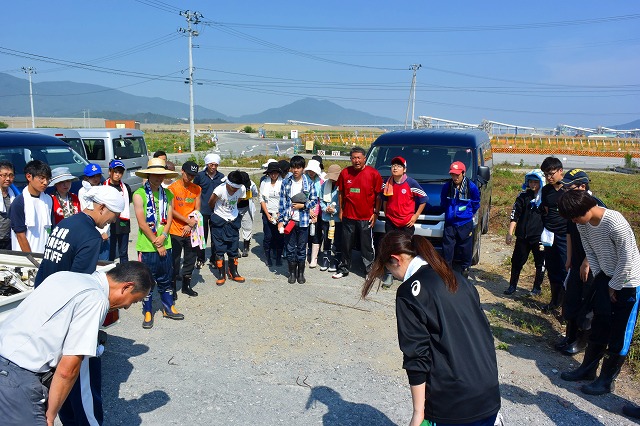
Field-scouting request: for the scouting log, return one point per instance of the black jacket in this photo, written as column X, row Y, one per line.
column 527, row 217
column 447, row 344
column 552, row 219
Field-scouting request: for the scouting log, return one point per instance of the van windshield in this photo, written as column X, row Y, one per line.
column 132, row 147
column 76, row 144
column 54, row 156
column 424, row 163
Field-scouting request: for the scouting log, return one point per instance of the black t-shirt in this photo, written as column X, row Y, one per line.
column 552, row 219
column 74, row 245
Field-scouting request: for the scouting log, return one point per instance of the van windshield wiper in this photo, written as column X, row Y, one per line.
column 434, row 180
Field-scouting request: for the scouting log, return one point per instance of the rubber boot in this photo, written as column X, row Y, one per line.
column 315, row 249
column 579, row 344
column 631, row 411
column 537, row 281
column 278, row 257
column 233, row 271
column 293, row 272
column 589, row 366
column 147, row 312
column 221, row 272
column 605, row 382
column 245, row 249
column 325, row 259
column 174, row 288
column 169, row 308
column 267, row 253
column 557, row 290
column 571, row 334
column 300, row 274
column 186, row 287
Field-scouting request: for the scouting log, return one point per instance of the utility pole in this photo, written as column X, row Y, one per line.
column 29, row 71
column 411, row 106
column 192, row 18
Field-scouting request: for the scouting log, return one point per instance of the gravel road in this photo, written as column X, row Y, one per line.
column 268, row 352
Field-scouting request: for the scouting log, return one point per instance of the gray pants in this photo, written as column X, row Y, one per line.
column 22, row 396
column 247, row 223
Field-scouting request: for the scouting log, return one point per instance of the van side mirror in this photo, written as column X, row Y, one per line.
column 484, row 174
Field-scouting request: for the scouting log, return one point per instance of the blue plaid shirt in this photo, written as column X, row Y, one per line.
column 285, row 210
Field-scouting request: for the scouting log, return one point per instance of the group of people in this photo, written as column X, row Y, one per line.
column 315, row 217
column 593, row 265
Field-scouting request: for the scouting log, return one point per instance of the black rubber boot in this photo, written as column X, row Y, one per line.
column 301, row 278
column 605, row 382
column 221, row 273
column 631, row 411
column 267, row 254
column 293, row 272
column 245, row 249
column 557, row 290
column 233, row 271
column 589, row 366
column 510, row 290
column 579, row 344
column 571, row 334
column 186, row 286
column 278, row 257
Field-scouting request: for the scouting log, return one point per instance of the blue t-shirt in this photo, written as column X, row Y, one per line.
column 74, row 245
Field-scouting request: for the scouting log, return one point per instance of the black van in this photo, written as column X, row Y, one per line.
column 429, row 153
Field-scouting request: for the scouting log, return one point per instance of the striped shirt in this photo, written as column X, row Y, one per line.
column 611, row 248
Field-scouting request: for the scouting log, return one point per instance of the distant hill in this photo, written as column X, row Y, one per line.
column 68, row 99
column 315, row 111
column 632, row 125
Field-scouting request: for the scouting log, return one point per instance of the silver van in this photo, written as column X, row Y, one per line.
column 70, row 136
column 127, row 145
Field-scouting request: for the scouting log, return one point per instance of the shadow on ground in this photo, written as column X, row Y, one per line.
column 116, row 369
column 344, row 413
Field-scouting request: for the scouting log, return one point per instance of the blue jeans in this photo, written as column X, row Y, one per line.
column 162, row 270
column 104, row 250
column 296, row 242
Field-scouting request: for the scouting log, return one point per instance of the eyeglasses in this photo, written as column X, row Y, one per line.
column 397, row 166
column 549, row 174
column 7, row 176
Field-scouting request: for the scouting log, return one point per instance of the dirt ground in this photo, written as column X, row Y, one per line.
column 269, row 352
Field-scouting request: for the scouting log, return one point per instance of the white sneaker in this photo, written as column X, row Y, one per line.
column 332, row 269
column 338, row 275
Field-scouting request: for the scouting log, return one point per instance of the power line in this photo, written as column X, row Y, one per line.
column 467, row 28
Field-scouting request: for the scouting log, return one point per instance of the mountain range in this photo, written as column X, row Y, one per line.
column 68, row 99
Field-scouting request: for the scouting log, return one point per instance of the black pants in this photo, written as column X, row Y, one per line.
column 555, row 259
column 119, row 245
column 178, row 245
column 458, row 238
column 521, row 250
column 576, row 304
column 351, row 230
column 5, row 244
column 88, row 386
column 272, row 238
column 613, row 323
column 388, row 226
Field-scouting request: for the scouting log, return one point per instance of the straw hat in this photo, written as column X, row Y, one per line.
column 156, row 166
column 61, row 174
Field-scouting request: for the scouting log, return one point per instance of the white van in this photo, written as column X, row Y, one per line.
column 127, row 145
column 70, row 136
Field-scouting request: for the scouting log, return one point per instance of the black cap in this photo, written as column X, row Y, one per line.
column 273, row 167
column 575, row 177
column 190, row 168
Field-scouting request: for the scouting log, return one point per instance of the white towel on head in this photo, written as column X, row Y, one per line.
column 12, row 196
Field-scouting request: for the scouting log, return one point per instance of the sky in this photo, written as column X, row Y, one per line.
column 536, row 64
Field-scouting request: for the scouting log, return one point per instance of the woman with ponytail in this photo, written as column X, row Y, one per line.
column 448, row 349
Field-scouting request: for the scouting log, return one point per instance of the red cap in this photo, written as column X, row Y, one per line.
column 399, row 160
column 457, row 167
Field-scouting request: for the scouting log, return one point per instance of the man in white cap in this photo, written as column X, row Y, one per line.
column 74, row 246
column 208, row 179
